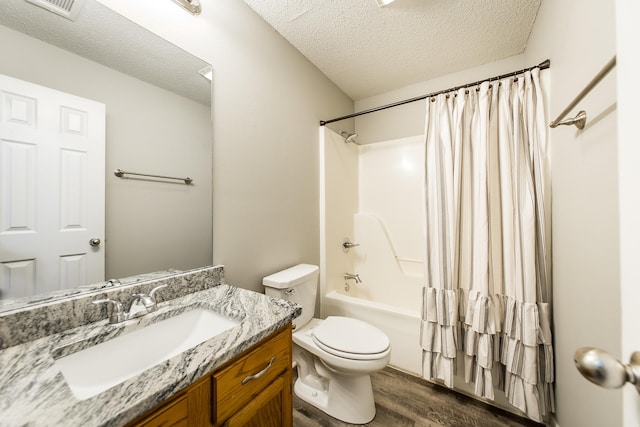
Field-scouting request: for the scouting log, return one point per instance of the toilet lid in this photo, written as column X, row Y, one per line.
column 351, row 337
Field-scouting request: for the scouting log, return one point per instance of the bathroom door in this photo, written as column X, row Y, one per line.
column 628, row 96
column 52, row 177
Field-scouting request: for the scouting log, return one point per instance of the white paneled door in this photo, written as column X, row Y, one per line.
column 52, row 172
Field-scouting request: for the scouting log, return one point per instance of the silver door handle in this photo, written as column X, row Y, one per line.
column 603, row 369
column 95, row 242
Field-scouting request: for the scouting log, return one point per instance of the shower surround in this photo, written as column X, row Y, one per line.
column 374, row 195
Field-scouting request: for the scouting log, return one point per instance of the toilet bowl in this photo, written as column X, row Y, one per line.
column 345, row 344
column 334, row 356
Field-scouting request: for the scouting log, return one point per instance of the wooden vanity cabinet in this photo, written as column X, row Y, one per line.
column 252, row 389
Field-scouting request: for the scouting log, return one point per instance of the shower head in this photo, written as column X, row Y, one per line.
column 349, row 137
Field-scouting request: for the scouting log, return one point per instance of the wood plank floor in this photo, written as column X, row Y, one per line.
column 405, row 400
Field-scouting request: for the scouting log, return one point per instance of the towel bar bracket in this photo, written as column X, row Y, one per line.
column 579, row 121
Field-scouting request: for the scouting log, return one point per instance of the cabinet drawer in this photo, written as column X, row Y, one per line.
column 264, row 410
column 235, row 385
column 172, row 414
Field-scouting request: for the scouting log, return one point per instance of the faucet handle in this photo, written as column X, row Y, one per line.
column 348, row 244
column 153, row 292
column 115, row 305
column 117, row 312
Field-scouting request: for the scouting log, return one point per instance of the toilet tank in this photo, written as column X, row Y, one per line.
column 298, row 284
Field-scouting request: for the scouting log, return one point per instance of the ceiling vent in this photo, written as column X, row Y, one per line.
column 66, row 8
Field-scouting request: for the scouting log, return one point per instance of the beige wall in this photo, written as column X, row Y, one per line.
column 267, row 103
column 585, row 201
column 150, row 226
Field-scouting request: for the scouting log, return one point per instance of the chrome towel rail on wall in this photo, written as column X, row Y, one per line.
column 120, row 173
column 581, row 119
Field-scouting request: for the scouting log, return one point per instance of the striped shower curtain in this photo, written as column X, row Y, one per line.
column 486, row 298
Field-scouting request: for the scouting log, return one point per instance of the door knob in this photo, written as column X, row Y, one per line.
column 603, row 369
column 94, row 242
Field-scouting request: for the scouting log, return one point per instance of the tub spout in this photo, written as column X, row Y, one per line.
column 355, row 277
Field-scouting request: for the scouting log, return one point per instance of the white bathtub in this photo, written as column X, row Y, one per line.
column 401, row 326
column 403, row 329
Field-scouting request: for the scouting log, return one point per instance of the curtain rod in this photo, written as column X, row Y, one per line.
column 543, row 66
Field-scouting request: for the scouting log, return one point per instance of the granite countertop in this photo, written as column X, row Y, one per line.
column 33, row 391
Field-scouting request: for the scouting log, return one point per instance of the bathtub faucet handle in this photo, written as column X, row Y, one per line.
column 348, row 244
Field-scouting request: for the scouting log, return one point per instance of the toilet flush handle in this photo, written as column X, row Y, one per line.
column 290, row 291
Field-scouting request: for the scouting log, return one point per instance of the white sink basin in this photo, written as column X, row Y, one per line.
column 100, row 367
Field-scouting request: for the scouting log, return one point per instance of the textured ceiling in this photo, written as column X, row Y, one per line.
column 103, row 36
column 367, row 50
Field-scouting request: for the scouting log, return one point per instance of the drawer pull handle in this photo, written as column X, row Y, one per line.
column 259, row 374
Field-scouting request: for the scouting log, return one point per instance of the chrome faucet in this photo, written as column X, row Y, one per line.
column 146, row 300
column 355, row 277
column 118, row 314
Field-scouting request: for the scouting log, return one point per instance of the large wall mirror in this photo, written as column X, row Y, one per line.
column 157, row 111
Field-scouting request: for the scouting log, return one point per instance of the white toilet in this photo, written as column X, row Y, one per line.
column 334, row 356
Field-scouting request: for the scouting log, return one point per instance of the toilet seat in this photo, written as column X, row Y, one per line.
column 352, row 356
column 350, row 338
